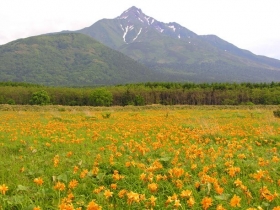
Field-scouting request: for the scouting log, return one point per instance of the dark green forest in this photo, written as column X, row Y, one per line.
column 140, row 94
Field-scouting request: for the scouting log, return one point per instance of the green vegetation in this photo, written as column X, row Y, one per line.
column 146, row 94
column 276, row 113
column 68, row 60
column 40, row 98
column 86, row 158
column 72, row 59
column 101, row 97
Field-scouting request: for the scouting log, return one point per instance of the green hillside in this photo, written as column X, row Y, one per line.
column 68, row 60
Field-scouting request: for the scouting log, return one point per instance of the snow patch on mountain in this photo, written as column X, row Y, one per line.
column 158, row 28
column 172, row 27
column 140, row 19
column 179, row 36
column 137, row 35
column 123, row 17
column 147, row 19
column 126, row 30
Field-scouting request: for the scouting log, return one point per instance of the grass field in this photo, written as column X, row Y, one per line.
column 139, row 158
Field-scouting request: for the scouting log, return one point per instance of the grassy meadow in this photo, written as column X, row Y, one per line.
column 154, row 157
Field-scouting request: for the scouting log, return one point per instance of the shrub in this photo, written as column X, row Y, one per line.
column 106, row 115
column 101, row 97
column 11, row 101
column 40, row 98
column 139, row 100
column 276, row 113
column 229, row 102
column 249, row 103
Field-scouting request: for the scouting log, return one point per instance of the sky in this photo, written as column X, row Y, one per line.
column 253, row 25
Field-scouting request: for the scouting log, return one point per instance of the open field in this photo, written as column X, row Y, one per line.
column 154, row 157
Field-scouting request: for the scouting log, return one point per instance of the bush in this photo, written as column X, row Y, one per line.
column 101, row 97
column 40, row 98
column 276, row 113
column 11, row 101
column 106, row 115
column 249, row 103
column 139, row 100
column 229, row 102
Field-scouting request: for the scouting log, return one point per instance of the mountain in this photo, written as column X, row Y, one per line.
column 224, row 45
column 68, row 60
column 132, row 47
column 170, row 48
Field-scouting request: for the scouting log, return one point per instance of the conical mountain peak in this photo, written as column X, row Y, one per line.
column 134, row 14
column 135, row 9
column 132, row 11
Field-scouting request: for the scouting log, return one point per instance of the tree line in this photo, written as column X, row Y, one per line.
column 166, row 93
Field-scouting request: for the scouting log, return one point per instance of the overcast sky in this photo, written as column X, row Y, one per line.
column 249, row 24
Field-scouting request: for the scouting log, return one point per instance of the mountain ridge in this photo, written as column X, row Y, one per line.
column 217, row 41
column 133, row 26
column 158, row 52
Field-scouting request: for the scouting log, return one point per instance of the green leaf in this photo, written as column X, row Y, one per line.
column 222, row 197
column 16, row 200
column 165, row 159
column 100, row 176
column 22, row 188
column 265, row 204
column 62, row 177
